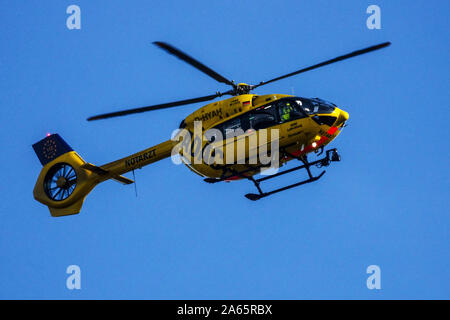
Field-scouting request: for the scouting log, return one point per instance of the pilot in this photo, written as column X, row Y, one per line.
column 286, row 112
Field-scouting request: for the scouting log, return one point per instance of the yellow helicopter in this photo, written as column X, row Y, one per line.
column 232, row 139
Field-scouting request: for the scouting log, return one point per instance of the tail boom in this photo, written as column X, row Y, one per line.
column 140, row 159
column 66, row 179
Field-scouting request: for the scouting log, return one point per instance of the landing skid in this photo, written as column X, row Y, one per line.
column 331, row 156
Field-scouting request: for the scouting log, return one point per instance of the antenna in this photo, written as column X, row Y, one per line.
column 135, row 187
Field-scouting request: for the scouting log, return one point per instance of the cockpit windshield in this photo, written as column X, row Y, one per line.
column 316, row 105
column 322, row 106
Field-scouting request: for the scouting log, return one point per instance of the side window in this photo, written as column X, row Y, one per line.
column 233, row 124
column 230, row 125
column 289, row 110
column 262, row 117
column 261, row 120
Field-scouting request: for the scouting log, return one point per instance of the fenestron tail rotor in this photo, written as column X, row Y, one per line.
column 60, row 181
column 236, row 89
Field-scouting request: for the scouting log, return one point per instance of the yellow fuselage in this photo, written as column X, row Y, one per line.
column 296, row 137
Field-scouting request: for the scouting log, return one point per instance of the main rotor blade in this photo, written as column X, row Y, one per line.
column 196, row 64
column 155, row 107
column 340, row 58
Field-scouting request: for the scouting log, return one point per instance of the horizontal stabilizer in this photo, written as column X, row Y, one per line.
column 122, row 179
column 102, row 172
column 95, row 169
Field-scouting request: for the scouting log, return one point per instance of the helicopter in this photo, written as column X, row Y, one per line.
column 273, row 128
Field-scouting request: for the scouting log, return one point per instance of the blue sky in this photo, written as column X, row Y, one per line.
column 386, row 203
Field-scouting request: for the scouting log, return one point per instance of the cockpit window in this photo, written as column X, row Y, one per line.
column 305, row 105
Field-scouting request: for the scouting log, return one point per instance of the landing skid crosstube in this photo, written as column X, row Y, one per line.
column 331, row 156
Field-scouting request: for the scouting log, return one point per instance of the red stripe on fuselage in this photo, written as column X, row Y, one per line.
column 332, row 130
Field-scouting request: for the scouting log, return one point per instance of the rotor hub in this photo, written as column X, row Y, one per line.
column 242, row 88
column 61, row 182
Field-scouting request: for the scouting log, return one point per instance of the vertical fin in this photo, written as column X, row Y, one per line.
column 50, row 148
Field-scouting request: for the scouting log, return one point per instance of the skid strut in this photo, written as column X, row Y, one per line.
column 331, row 155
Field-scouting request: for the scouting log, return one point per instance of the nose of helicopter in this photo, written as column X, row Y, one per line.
column 343, row 116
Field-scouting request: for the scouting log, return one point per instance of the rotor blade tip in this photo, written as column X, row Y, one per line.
column 158, row 44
